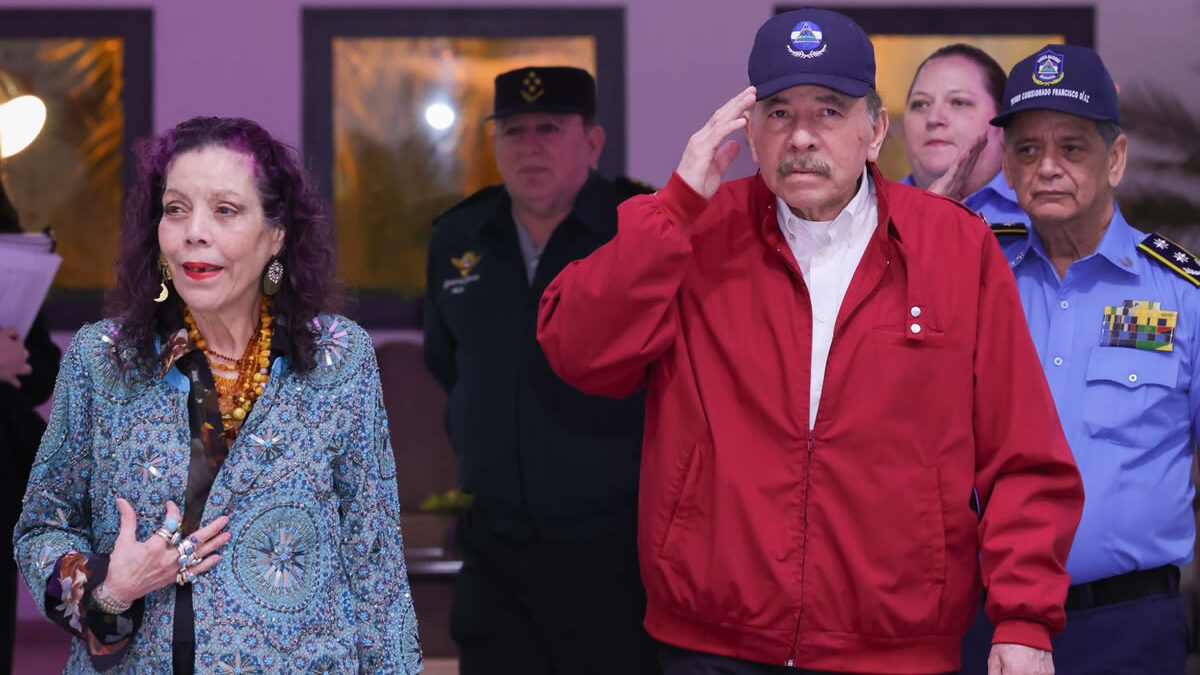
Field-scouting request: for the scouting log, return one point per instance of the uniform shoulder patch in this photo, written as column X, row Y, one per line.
column 1172, row 256
column 630, row 187
column 476, row 198
column 1004, row 229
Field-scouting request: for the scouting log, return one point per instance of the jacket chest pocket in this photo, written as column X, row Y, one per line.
column 1133, row 396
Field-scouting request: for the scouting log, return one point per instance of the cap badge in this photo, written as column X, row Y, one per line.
column 1048, row 68
column 806, row 41
column 531, row 87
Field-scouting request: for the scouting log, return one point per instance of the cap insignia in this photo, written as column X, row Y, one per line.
column 531, row 87
column 1048, row 68
column 806, row 41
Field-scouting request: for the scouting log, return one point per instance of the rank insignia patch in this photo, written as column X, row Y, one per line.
column 1139, row 325
column 1008, row 228
column 466, row 263
column 1172, row 256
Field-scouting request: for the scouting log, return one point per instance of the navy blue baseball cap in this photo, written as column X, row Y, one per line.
column 812, row 46
column 1065, row 78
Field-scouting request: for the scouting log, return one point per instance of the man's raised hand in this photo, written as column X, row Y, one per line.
column 708, row 154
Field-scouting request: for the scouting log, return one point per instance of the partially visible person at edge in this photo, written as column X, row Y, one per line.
column 549, row 582
column 952, row 149
column 1115, row 317
column 27, row 371
column 833, row 362
column 215, row 490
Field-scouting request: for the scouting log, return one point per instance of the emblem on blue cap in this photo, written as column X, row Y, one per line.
column 806, row 41
column 1048, row 68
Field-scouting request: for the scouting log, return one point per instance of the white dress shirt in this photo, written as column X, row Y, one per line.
column 828, row 253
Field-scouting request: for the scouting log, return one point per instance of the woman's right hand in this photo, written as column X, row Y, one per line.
column 137, row 568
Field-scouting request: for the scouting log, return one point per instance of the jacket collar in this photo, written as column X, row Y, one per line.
column 887, row 249
column 590, row 208
column 765, row 205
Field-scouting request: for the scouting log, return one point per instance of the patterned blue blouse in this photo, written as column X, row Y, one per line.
column 314, row 579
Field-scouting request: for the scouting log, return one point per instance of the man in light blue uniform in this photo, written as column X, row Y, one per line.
column 1115, row 316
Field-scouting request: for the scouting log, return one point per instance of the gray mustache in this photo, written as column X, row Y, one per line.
column 790, row 165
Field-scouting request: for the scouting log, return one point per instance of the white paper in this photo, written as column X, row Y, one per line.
column 27, row 268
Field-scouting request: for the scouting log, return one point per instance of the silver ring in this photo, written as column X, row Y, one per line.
column 186, row 548
column 184, row 577
column 171, row 538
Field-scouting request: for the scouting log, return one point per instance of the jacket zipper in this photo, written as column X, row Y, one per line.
column 791, row 663
column 790, row 263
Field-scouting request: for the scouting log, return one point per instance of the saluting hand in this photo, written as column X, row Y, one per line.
column 952, row 183
column 706, row 157
column 1010, row 659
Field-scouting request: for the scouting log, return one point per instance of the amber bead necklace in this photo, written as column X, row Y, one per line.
column 240, row 381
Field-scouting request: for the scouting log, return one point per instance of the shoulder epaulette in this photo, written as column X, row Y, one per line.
column 470, row 200
column 1172, row 256
column 1002, row 229
column 629, row 187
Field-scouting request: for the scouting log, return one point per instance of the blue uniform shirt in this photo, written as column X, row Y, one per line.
column 1129, row 413
column 995, row 201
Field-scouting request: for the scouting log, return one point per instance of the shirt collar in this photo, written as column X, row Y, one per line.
column 1118, row 245
column 998, row 185
column 817, row 234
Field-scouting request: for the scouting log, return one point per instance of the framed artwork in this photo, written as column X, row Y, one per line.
column 94, row 71
column 904, row 36
column 396, row 102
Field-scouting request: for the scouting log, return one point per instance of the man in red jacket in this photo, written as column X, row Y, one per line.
column 835, row 365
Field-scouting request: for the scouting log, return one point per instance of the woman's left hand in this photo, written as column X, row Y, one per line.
column 136, row 568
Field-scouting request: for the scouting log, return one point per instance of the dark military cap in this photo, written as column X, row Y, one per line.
column 556, row 89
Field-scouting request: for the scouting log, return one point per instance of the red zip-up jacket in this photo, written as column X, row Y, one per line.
column 852, row 546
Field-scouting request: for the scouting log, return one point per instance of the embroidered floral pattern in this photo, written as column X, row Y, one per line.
column 235, row 666
column 280, row 558
column 331, row 340
column 267, row 449
column 149, row 465
column 118, row 366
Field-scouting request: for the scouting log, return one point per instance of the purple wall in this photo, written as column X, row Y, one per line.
column 684, row 58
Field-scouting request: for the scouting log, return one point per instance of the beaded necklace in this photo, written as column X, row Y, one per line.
column 239, row 381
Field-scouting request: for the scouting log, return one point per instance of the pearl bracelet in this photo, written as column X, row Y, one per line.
column 109, row 603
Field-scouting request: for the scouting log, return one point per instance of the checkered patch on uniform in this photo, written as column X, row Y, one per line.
column 1139, row 325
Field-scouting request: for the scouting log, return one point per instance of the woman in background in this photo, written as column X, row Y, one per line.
column 952, row 149
column 216, row 489
column 27, row 372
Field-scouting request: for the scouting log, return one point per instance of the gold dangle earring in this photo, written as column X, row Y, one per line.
column 166, row 276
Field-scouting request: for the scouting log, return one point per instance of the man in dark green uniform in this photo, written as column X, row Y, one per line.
column 550, row 581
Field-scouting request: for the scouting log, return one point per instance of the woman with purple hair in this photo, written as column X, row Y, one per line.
column 215, row 491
